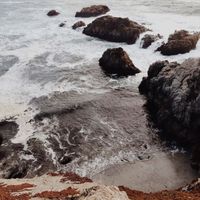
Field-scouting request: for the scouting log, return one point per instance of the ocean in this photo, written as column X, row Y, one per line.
column 46, row 70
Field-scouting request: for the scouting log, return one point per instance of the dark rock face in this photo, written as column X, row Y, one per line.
column 52, row 13
column 116, row 61
column 179, row 43
column 78, row 24
column 8, row 129
column 148, row 39
column 173, row 95
column 115, row 29
column 93, row 11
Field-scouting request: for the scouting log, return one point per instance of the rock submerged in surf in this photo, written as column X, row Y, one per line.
column 173, row 99
column 117, row 62
column 93, row 11
column 179, row 43
column 62, row 24
column 115, row 29
column 78, row 25
column 52, row 13
column 148, row 39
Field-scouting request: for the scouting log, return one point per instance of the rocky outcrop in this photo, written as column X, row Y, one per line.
column 52, row 13
column 115, row 29
column 93, row 11
column 179, row 43
column 78, row 24
column 117, row 62
column 173, row 98
column 58, row 186
column 148, row 39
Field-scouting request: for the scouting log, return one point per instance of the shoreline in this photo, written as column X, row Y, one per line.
column 163, row 172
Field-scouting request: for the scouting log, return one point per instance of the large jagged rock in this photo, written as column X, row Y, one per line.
column 179, row 43
column 116, row 61
column 173, row 95
column 148, row 39
column 93, row 11
column 115, row 29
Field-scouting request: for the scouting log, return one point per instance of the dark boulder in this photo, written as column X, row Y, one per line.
column 93, row 11
column 117, row 62
column 115, row 29
column 148, row 39
column 52, row 13
column 78, row 24
column 179, row 43
column 173, row 99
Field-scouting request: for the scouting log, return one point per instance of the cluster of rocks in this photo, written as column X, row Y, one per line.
column 117, row 29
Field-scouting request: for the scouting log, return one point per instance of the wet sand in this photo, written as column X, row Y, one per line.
column 162, row 172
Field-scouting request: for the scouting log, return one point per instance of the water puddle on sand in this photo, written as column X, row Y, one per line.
column 163, row 172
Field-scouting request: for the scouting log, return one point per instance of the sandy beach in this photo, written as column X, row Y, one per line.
column 163, row 171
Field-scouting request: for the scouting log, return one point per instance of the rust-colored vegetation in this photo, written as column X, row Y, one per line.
column 75, row 178
column 6, row 191
column 164, row 195
column 69, row 176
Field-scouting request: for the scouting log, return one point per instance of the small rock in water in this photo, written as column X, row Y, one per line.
column 148, row 39
column 93, row 11
column 62, row 25
column 117, row 62
column 78, row 24
column 65, row 160
column 52, row 13
column 179, row 43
